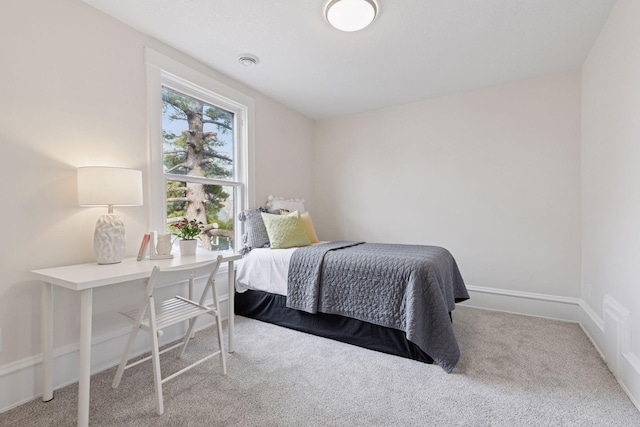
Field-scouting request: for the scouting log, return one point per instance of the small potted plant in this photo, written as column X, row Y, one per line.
column 187, row 231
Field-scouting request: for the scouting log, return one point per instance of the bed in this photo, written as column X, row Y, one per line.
column 396, row 299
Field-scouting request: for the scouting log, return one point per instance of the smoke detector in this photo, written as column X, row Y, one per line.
column 248, row 60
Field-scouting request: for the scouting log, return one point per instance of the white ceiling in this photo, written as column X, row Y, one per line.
column 415, row 49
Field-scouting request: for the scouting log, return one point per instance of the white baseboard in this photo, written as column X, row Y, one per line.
column 609, row 333
column 21, row 381
column 518, row 302
column 629, row 377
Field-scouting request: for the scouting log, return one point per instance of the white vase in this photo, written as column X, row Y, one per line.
column 188, row 247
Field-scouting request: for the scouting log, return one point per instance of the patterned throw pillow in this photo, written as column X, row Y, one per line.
column 255, row 233
column 285, row 231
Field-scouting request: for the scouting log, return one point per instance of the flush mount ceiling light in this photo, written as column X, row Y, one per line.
column 248, row 60
column 350, row 15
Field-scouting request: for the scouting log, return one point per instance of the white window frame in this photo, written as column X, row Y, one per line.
column 164, row 71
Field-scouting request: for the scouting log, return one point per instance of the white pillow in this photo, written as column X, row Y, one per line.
column 276, row 204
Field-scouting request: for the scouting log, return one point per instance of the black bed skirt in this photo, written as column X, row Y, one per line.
column 271, row 308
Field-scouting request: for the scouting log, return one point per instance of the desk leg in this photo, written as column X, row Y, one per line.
column 84, row 374
column 47, row 341
column 232, row 292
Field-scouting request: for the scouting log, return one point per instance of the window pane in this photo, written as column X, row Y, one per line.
column 211, row 204
column 197, row 137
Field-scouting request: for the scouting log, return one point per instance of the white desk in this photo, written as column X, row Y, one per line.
column 85, row 278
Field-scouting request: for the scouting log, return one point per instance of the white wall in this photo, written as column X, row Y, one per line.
column 73, row 94
column 611, row 180
column 284, row 155
column 493, row 175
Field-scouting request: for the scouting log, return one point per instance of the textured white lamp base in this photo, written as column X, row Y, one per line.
column 108, row 239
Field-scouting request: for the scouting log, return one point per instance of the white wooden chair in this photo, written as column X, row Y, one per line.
column 153, row 316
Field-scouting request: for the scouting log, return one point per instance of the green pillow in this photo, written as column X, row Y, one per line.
column 285, row 231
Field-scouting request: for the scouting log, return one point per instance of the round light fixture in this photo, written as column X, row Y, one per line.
column 350, row 15
column 248, row 60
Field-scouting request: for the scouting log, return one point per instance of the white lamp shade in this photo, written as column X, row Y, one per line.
column 104, row 186
column 351, row 15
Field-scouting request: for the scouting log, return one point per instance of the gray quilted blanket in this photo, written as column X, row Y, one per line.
column 407, row 287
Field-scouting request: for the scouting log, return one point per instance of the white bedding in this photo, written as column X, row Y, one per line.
column 264, row 269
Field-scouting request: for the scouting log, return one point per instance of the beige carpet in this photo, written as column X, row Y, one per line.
column 514, row 371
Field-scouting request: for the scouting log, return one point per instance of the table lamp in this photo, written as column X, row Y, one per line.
column 108, row 186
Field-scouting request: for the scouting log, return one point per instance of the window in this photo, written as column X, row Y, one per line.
column 199, row 154
column 198, row 165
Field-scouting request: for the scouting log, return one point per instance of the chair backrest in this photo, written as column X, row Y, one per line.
column 166, row 276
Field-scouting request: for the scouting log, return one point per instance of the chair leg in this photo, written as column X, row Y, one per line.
column 223, row 360
column 187, row 337
column 221, row 344
column 125, row 356
column 192, row 322
column 155, row 350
